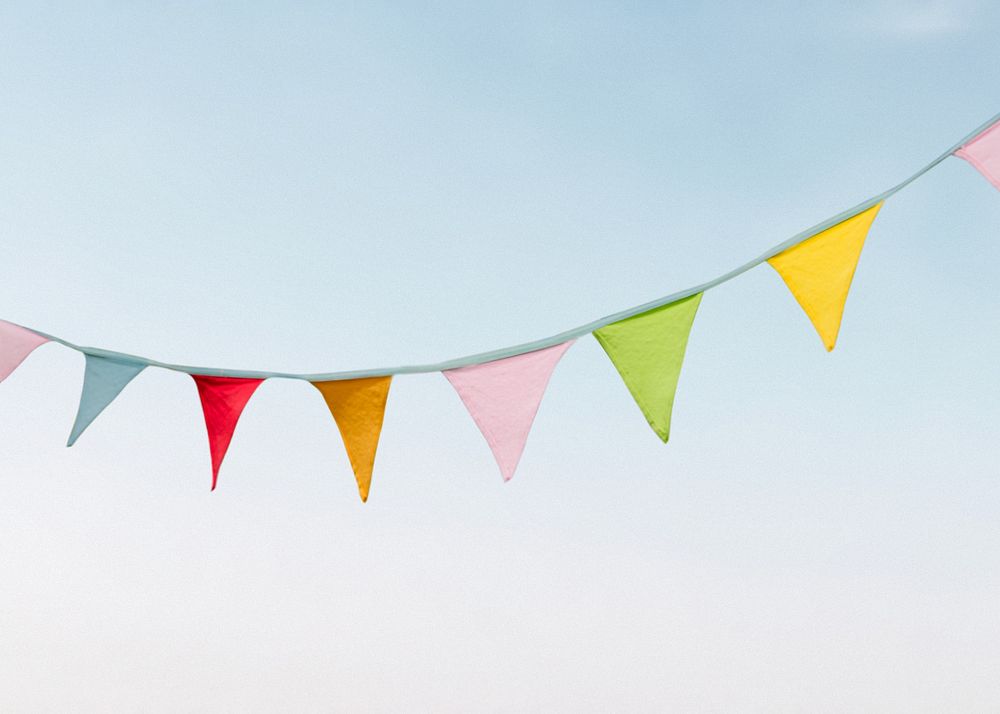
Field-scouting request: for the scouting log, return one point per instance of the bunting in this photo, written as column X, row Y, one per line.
column 819, row 271
column 16, row 343
column 103, row 379
column 358, row 407
column 648, row 351
column 503, row 397
column 222, row 401
column 983, row 153
column 502, row 389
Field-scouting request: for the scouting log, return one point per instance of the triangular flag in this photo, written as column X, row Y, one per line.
column 16, row 343
column 983, row 153
column 103, row 379
column 358, row 406
column 648, row 351
column 222, row 400
column 503, row 397
column 819, row 271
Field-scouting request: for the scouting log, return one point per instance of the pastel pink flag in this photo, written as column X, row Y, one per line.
column 16, row 343
column 983, row 153
column 222, row 400
column 503, row 398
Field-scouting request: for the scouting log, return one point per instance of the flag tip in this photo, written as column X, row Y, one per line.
column 74, row 434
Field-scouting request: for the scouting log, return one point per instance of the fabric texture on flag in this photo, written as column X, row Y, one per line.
column 222, row 401
column 358, row 407
column 103, row 379
column 819, row 271
column 16, row 343
column 648, row 352
column 503, row 397
column 983, row 153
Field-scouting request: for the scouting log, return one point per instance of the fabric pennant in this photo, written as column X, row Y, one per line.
column 103, row 379
column 648, row 352
column 983, row 153
column 358, row 407
column 503, row 397
column 819, row 271
column 16, row 343
column 222, row 400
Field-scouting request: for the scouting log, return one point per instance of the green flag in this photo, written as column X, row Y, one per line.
column 648, row 351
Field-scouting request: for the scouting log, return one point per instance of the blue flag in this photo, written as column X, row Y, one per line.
column 103, row 380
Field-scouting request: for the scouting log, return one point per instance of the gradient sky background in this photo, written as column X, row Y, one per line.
column 320, row 188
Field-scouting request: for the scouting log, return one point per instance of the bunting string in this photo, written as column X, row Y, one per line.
column 988, row 163
column 502, row 389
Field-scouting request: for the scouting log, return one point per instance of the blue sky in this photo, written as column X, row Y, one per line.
column 334, row 187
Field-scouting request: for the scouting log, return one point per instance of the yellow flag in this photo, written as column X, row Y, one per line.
column 358, row 406
column 819, row 271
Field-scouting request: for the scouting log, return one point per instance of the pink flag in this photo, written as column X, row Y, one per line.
column 503, row 397
column 222, row 400
column 983, row 152
column 16, row 343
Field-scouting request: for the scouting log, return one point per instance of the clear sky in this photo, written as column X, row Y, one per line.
column 335, row 186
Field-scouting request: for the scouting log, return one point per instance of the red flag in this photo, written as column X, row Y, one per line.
column 222, row 400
